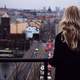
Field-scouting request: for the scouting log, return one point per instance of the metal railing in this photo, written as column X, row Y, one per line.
column 28, row 60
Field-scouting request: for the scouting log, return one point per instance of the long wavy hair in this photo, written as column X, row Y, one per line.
column 70, row 24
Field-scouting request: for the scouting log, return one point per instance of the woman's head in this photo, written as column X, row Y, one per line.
column 72, row 14
column 70, row 24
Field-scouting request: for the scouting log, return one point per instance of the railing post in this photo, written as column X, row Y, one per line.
column 45, row 70
column 16, row 71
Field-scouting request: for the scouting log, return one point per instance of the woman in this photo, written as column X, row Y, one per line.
column 66, row 57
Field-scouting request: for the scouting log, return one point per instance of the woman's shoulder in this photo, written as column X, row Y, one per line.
column 58, row 36
column 59, row 40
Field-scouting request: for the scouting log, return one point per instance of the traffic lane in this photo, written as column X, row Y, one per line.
column 29, row 54
column 27, row 66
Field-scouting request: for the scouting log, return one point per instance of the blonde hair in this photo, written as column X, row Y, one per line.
column 71, row 18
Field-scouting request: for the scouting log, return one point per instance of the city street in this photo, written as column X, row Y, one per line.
column 22, row 70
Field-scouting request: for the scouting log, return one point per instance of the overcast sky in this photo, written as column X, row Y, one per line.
column 37, row 4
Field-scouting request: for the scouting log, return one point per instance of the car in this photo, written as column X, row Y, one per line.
column 50, row 54
column 36, row 51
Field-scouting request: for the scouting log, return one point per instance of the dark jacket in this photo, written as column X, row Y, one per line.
column 66, row 61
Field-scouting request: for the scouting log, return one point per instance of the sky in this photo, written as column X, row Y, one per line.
column 38, row 4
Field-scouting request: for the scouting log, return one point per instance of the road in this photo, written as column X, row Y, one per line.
column 25, row 67
column 22, row 69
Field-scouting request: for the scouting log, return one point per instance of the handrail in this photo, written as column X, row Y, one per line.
column 22, row 60
column 28, row 60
